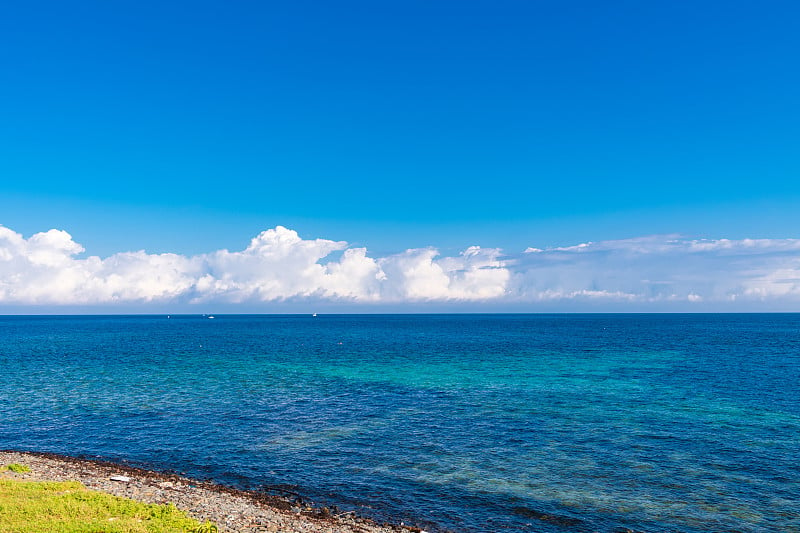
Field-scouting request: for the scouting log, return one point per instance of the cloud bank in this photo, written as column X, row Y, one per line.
column 47, row 269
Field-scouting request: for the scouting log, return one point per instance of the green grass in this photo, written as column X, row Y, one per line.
column 16, row 467
column 69, row 507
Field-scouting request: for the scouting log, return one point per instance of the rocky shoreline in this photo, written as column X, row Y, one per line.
column 232, row 510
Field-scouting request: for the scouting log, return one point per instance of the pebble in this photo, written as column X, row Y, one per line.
column 233, row 511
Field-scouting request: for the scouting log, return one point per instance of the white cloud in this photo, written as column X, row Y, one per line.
column 664, row 269
column 43, row 270
column 476, row 274
column 278, row 265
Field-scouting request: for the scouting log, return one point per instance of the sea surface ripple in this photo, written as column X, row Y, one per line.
column 469, row 423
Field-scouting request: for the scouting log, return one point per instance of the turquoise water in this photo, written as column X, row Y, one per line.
column 471, row 423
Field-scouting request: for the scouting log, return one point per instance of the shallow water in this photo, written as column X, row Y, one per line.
column 462, row 422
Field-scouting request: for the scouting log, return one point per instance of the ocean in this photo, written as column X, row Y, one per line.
column 466, row 423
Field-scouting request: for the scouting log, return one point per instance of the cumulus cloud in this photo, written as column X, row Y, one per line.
column 279, row 265
column 43, row 270
column 476, row 274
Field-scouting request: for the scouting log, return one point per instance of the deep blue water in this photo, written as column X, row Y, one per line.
column 468, row 423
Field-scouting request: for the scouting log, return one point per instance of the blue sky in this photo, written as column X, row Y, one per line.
column 192, row 127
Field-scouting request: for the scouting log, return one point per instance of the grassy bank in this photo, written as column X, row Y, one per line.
column 134, row 498
column 69, row 507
